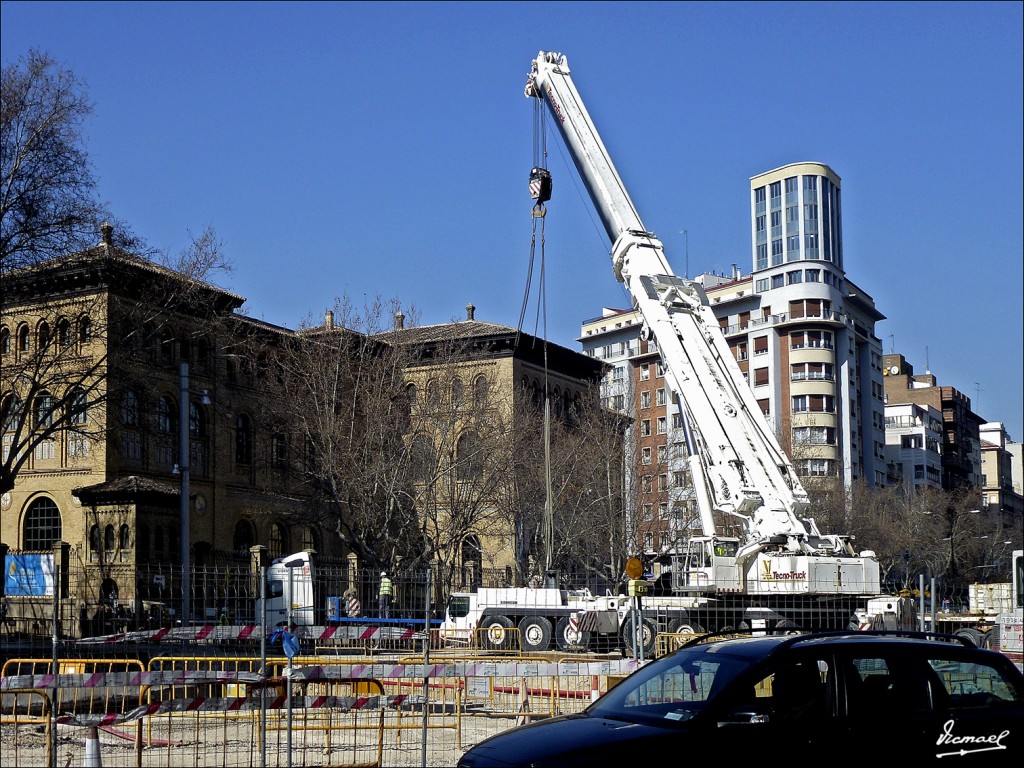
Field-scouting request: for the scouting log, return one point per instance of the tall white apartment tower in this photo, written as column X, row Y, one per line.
column 805, row 334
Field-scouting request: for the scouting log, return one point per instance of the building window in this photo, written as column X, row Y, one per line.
column 278, row 451
column 647, row 484
column 44, row 411
column 663, row 510
column 645, row 455
column 760, row 345
column 123, row 537
column 662, row 425
column 469, row 457
column 662, row 454
column 244, row 536
column 762, row 257
column 812, row 275
column 79, row 407
column 42, row 526
column 778, row 281
column 278, row 541
column 645, row 399
column 663, row 482
column 243, row 440
column 648, row 513
column 645, row 428
column 458, row 394
column 661, row 396
column 761, row 284
column 480, row 391
column 760, row 377
column 794, row 277
column 645, row 372
column 410, row 398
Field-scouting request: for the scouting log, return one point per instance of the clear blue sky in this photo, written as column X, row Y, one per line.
column 351, row 149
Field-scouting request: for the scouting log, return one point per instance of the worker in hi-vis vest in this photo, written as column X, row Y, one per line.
column 384, row 596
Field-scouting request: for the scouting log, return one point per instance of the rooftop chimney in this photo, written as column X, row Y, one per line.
column 329, row 320
column 735, row 272
column 108, row 234
column 470, row 310
column 399, row 320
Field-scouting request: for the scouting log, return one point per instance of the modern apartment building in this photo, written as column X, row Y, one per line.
column 960, row 446
column 913, row 435
column 801, row 331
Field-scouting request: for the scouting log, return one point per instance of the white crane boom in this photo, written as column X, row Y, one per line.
column 738, row 466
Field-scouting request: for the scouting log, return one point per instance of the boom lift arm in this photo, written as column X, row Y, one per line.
column 737, row 465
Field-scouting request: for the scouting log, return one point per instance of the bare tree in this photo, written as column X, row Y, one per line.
column 47, row 200
column 57, row 306
column 344, row 402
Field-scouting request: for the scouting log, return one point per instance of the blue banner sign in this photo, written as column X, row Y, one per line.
column 28, row 575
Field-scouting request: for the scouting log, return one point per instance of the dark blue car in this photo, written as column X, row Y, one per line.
column 859, row 698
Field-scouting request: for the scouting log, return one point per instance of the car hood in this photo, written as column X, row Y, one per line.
column 566, row 742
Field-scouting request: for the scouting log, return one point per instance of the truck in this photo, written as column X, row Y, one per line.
column 780, row 573
column 531, row 619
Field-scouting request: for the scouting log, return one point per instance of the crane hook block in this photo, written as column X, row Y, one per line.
column 540, row 185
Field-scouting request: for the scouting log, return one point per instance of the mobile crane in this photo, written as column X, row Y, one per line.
column 781, row 572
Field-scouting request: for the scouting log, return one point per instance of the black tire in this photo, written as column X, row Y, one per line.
column 685, row 625
column 496, row 634
column 535, row 634
column 681, row 627
column 990, row 640
column 648, row 636
column 787, row 627
column 569, row 641
column 971, row 634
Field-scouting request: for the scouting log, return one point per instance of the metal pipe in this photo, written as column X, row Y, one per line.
column 183, row 468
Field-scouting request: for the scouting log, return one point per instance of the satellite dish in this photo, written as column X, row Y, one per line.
column 894, row 370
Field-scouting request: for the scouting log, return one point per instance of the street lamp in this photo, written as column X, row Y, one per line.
column 184, row 532
column 291, row 565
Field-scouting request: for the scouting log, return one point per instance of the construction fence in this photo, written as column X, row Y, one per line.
column 304, row 711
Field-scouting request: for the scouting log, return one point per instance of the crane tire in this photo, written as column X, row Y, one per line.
column 535, row 634
column 496, row 633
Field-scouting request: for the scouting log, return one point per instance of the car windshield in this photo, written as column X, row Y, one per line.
column 672, row 689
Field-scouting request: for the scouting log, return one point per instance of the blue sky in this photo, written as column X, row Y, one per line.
column 365, row 149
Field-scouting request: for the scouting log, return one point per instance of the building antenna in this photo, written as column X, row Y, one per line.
column 927, row 364
column 892, row 343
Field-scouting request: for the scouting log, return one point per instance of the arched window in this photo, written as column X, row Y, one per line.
column 85, row 330
column 166, row 345
column 78, row 405
column 44, row 336
column 423, row 458
column 202, row 353
column 196, row 420
column 469, row 457
column 94, row 539
column 43, row 411
column 64, row 333
column 480, row 391
column 123, row 537
column 244, row 536
column 5, row 340
column 130, row 408
column 278, row 541
column 165, row 415
column 458, row 393
column 10, row 412
column 310, row 538
column 24, row 339
column 108, row 538
column 243, row 439
column 42, row 526
column 431, row 403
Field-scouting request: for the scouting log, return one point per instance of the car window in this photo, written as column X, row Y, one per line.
column 675, row 688
column 797, row 690
column 886, row 684
column 972, row 683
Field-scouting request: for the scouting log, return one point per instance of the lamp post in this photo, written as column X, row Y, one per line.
column 291, row 565
column 183, row 469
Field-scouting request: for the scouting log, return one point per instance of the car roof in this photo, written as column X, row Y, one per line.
column 765, row 645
